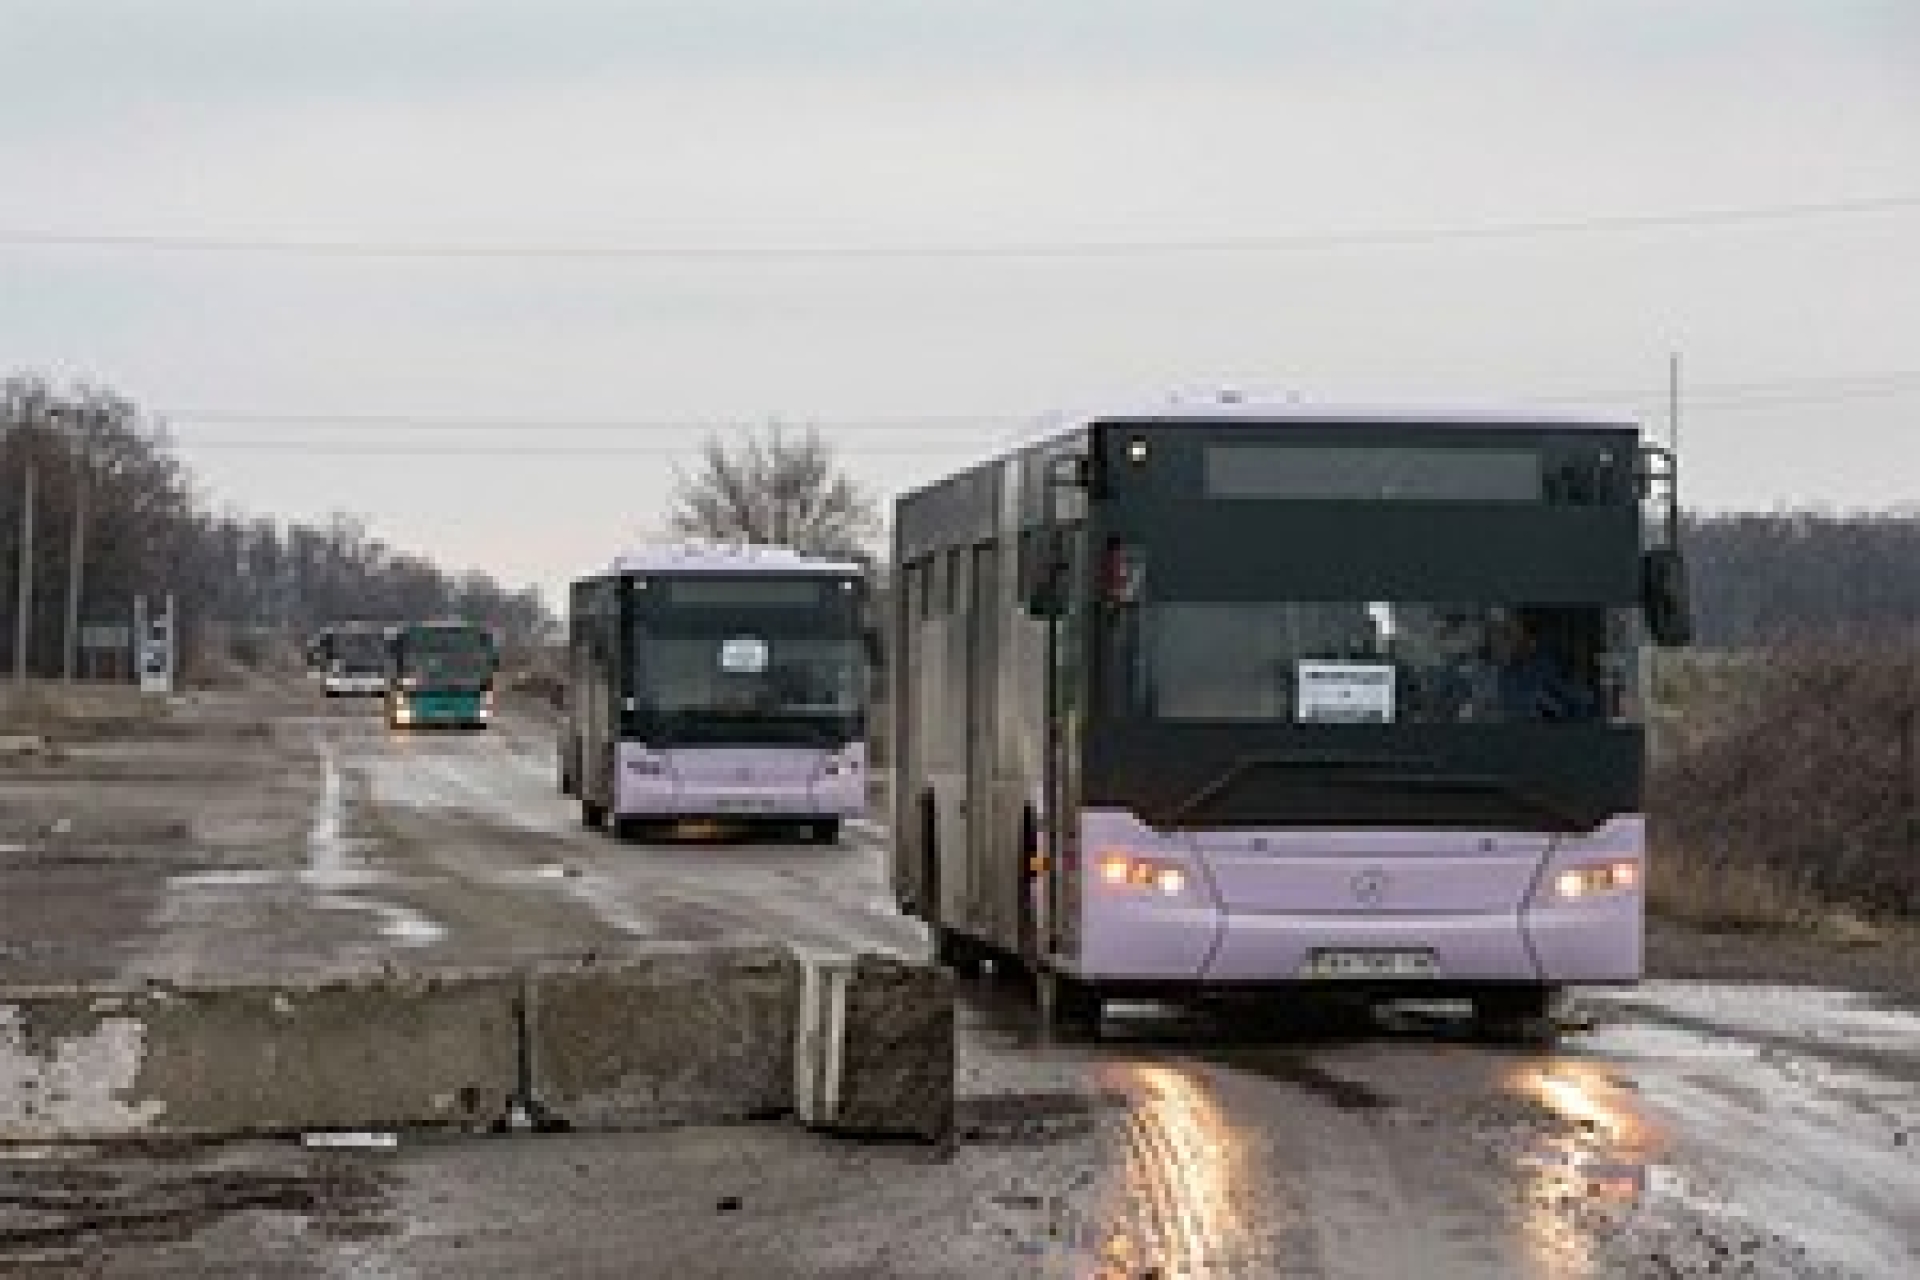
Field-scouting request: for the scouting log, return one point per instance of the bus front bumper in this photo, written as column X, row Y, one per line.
column 1289, row 913
column 356, row 684
column 742, row 784
column 411, row 708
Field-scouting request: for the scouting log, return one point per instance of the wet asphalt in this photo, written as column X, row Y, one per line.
column 1694, row 1129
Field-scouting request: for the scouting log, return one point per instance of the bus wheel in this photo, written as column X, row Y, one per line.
column 825, row 831
column 1516, row 1015
column 956, row 951
column 928, row 906
column 592, row 813
column 1068, row 1002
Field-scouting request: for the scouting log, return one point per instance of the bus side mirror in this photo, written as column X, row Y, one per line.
column 1045, row 599
column 1043, row 574
column 1663, row 585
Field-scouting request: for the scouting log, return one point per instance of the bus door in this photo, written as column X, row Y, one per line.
column 982, row 715
column 950, row 777
column 1054, row 891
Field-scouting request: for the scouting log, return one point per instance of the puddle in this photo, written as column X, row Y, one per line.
column 331, row 869
column 1299, row 1070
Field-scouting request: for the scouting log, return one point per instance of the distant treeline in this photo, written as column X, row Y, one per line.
column 1764, row 579
column 147, row 531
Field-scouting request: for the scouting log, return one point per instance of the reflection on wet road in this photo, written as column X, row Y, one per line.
column 1179, row 1169
column 1230, row 1148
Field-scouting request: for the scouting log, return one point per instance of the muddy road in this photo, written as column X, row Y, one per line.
column 1698, row 1128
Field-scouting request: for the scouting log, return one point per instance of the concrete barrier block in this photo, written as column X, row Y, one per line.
column 665, row 1035
column 218, row 1058
column 875, row 1048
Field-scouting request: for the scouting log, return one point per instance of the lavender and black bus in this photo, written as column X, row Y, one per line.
column 1237, row 695
column 717, row 684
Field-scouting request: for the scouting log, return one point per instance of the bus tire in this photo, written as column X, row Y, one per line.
column 1520, row 1015
column 956, row 951
column 1067, row 1002
column 825, row 831
column 928, row 905
column 1028, row 947
column 592, row 813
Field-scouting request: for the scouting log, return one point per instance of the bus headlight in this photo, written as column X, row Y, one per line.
column 1125, row 871
column 1596, row 877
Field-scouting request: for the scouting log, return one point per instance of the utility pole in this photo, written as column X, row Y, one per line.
column 77, row 548
column 1673, row 404
column 23, row 622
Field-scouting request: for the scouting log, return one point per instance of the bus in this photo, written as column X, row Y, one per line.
column 441, row 673
column 1226, row 695
column 350, row 659
column 720, row 685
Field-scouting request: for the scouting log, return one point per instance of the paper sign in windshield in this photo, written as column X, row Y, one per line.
column 1345, row 693
column 744, row 655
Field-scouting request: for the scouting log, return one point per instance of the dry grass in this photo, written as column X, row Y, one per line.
column 1750, row 899
column 50, row 705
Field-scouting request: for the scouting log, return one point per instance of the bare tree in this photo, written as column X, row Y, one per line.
column 775, row 487
column 146, row 530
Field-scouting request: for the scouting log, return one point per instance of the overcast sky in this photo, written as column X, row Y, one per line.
column 674, row 138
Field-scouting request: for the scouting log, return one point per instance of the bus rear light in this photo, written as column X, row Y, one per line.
column 1123, row 871
column 1597, row 877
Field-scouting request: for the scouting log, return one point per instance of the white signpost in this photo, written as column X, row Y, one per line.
column 154, row 647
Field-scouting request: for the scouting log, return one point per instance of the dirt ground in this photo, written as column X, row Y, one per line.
column 1890, row 966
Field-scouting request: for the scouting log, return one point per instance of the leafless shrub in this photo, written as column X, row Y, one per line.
column 1806, row 787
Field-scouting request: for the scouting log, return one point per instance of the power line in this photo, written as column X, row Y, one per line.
column 1762, row 393
column 485, row 422
column 423, row 450
column 1034, row 250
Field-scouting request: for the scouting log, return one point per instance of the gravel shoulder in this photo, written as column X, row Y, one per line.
column 1889, row 967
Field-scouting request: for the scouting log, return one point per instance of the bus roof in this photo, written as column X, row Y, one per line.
column 1227, row 408
column 715, row 558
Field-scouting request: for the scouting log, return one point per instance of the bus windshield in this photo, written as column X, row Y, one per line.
column 1382, row 662
column 738, row 662
column 358, row 649
column 449, row 653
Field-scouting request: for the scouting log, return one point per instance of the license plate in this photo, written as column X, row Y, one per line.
column 1370, row 964
column 744, row 804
